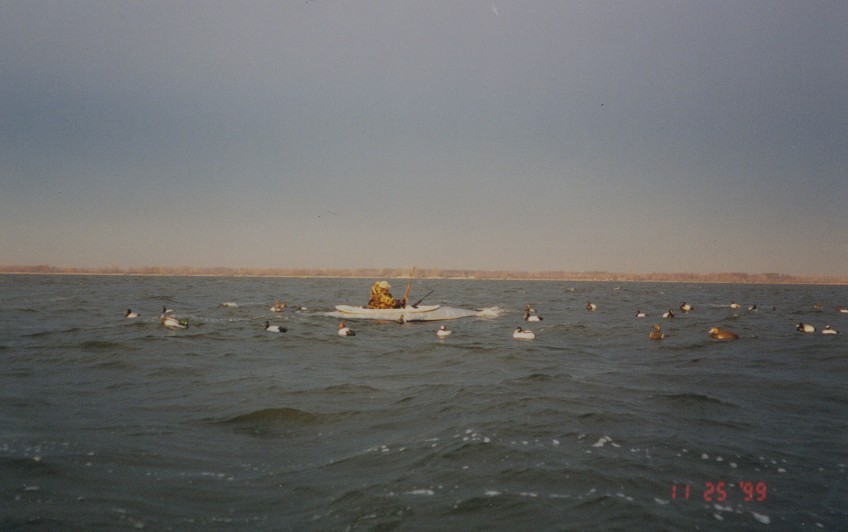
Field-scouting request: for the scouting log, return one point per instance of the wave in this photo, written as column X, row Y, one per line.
column 541, row 377
column 41, row 334
column 104, row 345
column 169, row 299
column 692, row 399
column 276, row 415
column 277, row 421
column 338, row 389
column 28, row 467
column 384, row 513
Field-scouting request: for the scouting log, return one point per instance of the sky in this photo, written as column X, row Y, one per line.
column 623, row 136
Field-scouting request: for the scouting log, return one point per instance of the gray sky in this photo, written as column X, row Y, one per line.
column 624, row 136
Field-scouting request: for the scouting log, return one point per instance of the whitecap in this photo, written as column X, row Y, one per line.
column 421, row 492
column 762, row 518
column 489, row 312
column 603, row 441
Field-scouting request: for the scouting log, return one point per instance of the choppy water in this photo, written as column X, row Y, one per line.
column 112, row 423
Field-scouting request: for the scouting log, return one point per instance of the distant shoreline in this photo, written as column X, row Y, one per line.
column 433, row 273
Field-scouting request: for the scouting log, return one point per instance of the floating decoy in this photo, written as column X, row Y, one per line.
column 656, row 333
column 523, row 334
column 722, row 334
column 532, row 317
column 173, row 323
column 344, row 330
column 274, row 328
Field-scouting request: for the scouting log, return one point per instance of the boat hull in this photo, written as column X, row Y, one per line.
column 420, row 313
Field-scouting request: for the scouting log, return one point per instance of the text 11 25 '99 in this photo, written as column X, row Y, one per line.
column 721, row 491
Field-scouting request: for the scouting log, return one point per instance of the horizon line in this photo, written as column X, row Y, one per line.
column 432, row 273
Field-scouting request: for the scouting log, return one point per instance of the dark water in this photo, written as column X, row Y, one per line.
column 111, row 423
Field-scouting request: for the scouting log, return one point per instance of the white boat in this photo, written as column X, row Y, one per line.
column 403, row 310
column 419, row 313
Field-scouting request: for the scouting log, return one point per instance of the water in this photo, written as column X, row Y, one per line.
column 110, row 423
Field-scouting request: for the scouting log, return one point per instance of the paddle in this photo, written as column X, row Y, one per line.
column 415, row 305
column 408, row 287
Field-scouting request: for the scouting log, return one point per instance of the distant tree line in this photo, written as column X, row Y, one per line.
column 434, row 273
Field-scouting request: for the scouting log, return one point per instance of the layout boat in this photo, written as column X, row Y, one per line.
column 410, row 313
column 414, row 312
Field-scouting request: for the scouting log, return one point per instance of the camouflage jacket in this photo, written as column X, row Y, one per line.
column 382, row 298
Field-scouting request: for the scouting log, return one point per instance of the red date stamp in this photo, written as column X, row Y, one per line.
column 721, row 491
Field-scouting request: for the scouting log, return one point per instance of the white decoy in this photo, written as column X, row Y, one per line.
column 274, row 328
column 640, row 314
column 523, row 334
column 130, row 314
column 734, row 305
column 532, row 317
column 173, row 323
column 344, row 330
column 668, row 314
column 442, row 332
column 828, row 330
column 685, row 307
column 591, row 306
column 805, row 328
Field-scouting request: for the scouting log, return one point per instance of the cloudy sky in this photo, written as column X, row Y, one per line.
column 627, row 136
